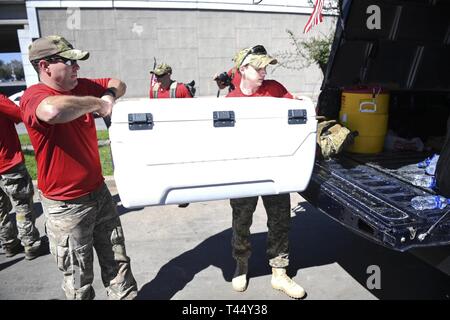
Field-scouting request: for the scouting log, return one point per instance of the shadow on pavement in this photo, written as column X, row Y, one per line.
column 178, row 272
column 37, row 207
column 315, row 240
column 10, row 263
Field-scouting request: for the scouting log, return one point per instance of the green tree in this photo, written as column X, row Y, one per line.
column 5, row 72
column 18, row 69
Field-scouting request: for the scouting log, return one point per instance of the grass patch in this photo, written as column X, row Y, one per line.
column 106, row 160
column 24, row 139
column 30, row 162
column 104, row 151
column 103, row 135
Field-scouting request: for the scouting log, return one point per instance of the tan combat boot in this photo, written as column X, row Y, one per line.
column 32, row 252
column 281, row 281
column 239, row 281
column 37, row 249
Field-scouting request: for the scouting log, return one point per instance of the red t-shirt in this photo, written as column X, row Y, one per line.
column 67, row 155
column 180, row 92
column 269, row 88
column 10, row 150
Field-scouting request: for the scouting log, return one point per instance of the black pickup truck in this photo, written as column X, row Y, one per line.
column 409, row 55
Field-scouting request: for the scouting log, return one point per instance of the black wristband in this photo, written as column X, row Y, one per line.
column 111, row 92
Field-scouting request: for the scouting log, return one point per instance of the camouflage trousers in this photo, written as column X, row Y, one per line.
column 16, row 186
column 74, row 228
column 278, row 209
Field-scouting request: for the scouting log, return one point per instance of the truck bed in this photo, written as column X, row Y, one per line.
column 371, row 194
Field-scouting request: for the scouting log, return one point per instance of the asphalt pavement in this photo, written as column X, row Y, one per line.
column 185, row 254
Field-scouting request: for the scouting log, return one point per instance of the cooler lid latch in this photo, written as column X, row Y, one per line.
column 297, row 116
column 140, row 121
column 223, row 119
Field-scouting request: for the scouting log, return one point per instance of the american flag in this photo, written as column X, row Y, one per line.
column 316, row 16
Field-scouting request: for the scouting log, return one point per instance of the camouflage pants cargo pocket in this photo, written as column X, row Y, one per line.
column 278, row 209
column 5, row 204
column 243, row 209
column 60, row 250
column 69, row 229
column 17, row 189
column 79, row 277
column 115, row 264
column 117, row 238
column 118, row 243
column 89, row 222
column 8, row 230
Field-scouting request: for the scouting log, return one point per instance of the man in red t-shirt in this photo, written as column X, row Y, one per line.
column 80, row 212
column 252, row 63
column 15, row 186
column 164, row 86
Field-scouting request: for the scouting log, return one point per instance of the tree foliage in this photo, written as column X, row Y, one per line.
column 317, row 50
column 6, row 70
column 310, row 50
column 306, row 52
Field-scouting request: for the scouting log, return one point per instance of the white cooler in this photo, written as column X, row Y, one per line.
column 172, row 151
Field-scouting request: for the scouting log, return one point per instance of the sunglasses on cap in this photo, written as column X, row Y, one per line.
column 257, row 50
column 56, row 59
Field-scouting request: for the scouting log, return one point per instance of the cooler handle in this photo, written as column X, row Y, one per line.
column 363, row 106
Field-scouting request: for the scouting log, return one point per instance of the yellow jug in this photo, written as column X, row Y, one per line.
column 365, row 111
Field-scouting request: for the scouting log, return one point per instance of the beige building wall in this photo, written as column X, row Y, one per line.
column 196, row 43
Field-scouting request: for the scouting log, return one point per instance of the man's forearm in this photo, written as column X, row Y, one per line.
column 118, row 86
column 62, row 109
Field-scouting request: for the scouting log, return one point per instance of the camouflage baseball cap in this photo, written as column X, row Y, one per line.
column 260, row 61
column 162, row 69
column 255, row 56
column 239, row 56
column 54, row 45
